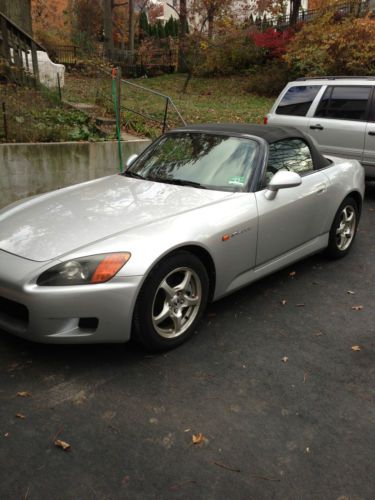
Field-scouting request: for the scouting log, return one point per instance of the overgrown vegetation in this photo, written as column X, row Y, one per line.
column 220, row 99
column 235, row 68
column 334, row 45
column 37, row 116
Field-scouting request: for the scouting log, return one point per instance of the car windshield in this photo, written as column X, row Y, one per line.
column 202, row 160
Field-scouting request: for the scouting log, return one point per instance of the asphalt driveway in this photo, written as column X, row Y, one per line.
column 280, row 404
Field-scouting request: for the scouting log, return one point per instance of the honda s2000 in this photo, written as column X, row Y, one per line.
column 202, row 212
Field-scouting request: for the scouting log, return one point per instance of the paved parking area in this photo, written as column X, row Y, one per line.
column 284, row 405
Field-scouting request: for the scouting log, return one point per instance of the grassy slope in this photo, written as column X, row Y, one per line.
column 206, row 99
column 36, row 116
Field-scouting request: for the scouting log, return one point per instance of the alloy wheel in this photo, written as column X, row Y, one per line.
column 346, row 228
column 176, row 302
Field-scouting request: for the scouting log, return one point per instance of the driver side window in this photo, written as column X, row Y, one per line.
column 289, row 154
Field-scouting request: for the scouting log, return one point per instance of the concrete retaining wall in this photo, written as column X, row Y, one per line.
column 29, row 169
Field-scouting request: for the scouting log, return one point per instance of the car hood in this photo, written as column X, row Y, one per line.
column 48, row 226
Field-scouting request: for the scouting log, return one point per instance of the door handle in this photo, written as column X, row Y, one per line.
column 321, row 189
column 316, row 127
column 371, row 133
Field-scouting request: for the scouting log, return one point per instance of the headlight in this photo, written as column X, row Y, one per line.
column 84, row 271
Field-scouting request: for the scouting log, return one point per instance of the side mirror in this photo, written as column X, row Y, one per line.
column 130, row 160
column 281, row 180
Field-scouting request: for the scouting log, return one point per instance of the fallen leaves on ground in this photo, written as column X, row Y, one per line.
column 356, row 348
column 24, row 394
column 223, row 466
column 198, row 438
column 285, row 359
column 183, row 483
column 13, row 366
column 357, row 308
column 62, row 444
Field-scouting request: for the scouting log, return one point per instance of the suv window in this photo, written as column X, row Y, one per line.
column 291, row 154
column 344, row 103
column 297, row 100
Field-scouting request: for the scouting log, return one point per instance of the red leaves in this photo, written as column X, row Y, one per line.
column 275, row 41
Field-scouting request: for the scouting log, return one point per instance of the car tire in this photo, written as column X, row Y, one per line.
column 171, row 302
column 343, row 229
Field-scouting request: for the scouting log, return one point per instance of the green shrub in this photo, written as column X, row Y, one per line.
column 270, row 79
column 229, row 53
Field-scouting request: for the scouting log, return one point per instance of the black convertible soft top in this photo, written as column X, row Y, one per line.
column 269, row 133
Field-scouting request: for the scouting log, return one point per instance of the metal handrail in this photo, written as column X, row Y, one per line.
column 168, row 99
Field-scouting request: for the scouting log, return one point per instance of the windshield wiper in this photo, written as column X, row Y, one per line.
column 178, row 182
column 129, row 173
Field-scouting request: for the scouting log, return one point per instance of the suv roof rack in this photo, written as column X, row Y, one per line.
column 304, row 78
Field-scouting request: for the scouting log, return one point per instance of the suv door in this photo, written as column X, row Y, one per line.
column 368, row 159
column 340, row 120
column 294, row 105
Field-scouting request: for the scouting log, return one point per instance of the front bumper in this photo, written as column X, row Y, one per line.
column 64, row 314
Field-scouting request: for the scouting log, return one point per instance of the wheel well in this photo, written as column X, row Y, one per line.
column 206, row 260
column 357, row 198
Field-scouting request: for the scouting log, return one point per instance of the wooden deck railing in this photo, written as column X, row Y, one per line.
column 15, row 48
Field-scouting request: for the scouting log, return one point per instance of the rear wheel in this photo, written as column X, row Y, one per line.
column 171, row 302
column 344, row 229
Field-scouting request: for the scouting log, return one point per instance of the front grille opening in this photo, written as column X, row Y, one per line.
column 88, row 323
column 13, row 310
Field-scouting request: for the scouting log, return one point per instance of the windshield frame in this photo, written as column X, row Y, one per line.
column 260, row 154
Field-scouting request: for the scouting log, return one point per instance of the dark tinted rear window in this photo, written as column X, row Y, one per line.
column 297, row 100
column 344, row 103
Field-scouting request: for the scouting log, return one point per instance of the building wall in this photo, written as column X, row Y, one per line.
column 19, row 11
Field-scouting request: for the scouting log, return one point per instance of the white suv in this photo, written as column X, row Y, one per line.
column 338, row 112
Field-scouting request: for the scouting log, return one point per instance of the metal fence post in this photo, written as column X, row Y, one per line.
column 118, row 92
column 165, row 115
column 5, row 122
column 59, row 86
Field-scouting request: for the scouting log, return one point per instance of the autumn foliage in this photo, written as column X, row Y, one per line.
column 275, row 42
column 334, row 45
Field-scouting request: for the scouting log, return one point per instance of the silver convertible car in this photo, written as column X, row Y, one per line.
column 202, row 212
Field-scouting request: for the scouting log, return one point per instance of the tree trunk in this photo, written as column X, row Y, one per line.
column 108, row 27
column 131, row 30
column 210, row 20
column 294, row 10
column 183, row 21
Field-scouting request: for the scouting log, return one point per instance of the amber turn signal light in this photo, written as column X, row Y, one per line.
column 109, row 267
